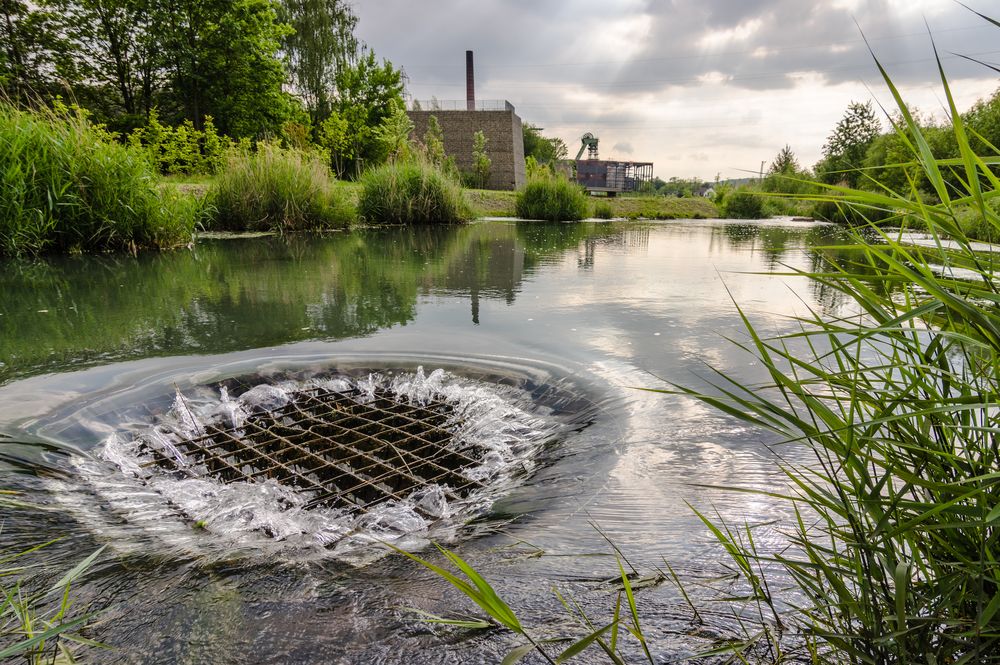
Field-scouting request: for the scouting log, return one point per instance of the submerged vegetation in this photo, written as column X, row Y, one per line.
column 68, row 186
column 276, row 189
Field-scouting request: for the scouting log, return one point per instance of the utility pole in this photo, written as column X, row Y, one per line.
column 761, row 179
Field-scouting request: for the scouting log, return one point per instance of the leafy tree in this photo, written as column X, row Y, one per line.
column 32, row 53
column 321, row 43
column 784, row 163
column 984, row 119
column 480, row 160
column 785, row 176
column 544, row 150
column 222, row 60
column 114, row 45
column 434, row 141
column 333, row 137
column 367, row 92
column 393, row 134
column 845, row 148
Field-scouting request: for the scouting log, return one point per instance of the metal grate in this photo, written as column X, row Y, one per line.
column 343, row 449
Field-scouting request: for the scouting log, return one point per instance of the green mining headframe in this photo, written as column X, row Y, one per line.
column 588, row 142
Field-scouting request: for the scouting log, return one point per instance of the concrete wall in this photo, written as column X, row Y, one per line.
column 504, row 141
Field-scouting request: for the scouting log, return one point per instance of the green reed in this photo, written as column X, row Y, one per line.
column 42, row 626
column 552, row 198
column 276, row 189
column 69, row 186
column 411, row 191
column 894, row 552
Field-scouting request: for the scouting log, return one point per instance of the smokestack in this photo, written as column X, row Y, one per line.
column 470, row 83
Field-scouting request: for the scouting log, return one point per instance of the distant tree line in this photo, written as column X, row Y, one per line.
column 861, row 153
column 249, row 69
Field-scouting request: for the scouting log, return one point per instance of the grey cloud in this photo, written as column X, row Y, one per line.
column 623, row 147
column 801, row 37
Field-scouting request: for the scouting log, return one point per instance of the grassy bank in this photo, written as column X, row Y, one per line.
column 69, row 187
column 493, row 203
column 503, row 204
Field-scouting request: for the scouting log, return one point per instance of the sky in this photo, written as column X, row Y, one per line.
column 698, row 87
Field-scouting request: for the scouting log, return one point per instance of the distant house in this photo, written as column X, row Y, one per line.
column 706, row 191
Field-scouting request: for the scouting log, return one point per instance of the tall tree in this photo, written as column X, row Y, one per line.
column 542, row 148
column 32, row 54
column 845, row 148
column 115, row 45
column 784, row 163
column 481, row 161
column 321, row 43
column 367, row 93
column 223, row 60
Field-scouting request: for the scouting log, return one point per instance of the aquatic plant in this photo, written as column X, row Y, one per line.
column 894, row 553
column 276, row 189
column 68, row 186
column 411, row 192
column 554, row 199
column 603, row 210
column 38, row 626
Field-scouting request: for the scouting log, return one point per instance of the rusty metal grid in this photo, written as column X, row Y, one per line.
column 342, row 449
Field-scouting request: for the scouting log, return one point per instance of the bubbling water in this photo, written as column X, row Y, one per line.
column 266, row 517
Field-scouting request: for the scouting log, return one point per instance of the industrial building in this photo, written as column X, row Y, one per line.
column 461, row 120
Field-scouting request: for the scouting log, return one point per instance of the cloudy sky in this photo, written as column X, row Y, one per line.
column 699, row 87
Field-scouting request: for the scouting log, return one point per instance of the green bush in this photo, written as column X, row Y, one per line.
column 411, row 192
column 554, row 199
column 852, row 214
column 183, row 149
column 743, row 204
column 603, row 210
column 276, row 189
column 68, row 186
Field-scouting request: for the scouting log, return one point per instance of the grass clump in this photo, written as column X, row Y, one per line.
column 603, row 210
column 894, row 553
column 552, row 199
column 38, row 626
column 411, row 192
column 68, row 186
column 276, row 189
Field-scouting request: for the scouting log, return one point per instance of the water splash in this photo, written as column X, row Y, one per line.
column 266, row 517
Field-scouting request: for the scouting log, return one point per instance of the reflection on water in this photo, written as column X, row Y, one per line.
column 227, row 295
column 571, row 317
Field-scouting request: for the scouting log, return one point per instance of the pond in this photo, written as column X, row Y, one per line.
column 547, row 332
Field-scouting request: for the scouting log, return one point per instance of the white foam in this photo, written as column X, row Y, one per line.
column 204, row 513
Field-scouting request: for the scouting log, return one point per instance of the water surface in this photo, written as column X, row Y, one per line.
column 564, row 322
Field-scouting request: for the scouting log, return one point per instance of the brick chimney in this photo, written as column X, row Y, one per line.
column 470, row 83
